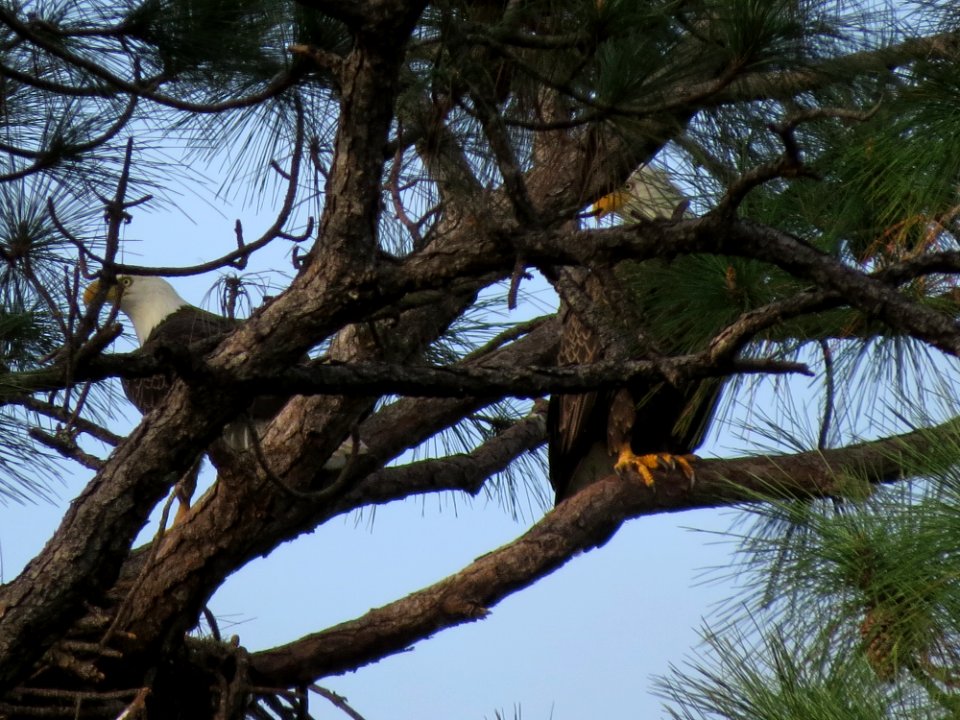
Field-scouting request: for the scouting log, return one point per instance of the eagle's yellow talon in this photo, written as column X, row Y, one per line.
column 640, row 464
column 644, row 464
column 683, row 462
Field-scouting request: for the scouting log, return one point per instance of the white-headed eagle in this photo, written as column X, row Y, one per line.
column 161, row 318
column 647, row 424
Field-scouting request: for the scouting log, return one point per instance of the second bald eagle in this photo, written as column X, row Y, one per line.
column 161, row 318
column 647, row 424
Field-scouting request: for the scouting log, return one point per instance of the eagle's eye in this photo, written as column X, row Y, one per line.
column 126, row 281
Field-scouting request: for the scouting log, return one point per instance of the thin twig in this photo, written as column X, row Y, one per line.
column 830, row 390
column 137, row 706
column 300, row 237
column 271, row 233
column 313, row 496
column 67, row 447
column 393, row 185
column 26, row 266
column 61, row 694
column 518, row 274
column 241, row 262
column 78, row 406
column 509, row 335
column 338, row 700
column 212, row 623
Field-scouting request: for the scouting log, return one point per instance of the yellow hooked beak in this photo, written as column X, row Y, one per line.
column 90, row 292
column 610, row 202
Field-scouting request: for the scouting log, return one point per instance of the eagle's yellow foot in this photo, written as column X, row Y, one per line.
column 644, row 464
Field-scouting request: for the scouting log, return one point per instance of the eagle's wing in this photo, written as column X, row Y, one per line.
column 148, row 392
column 646, row 423
column 576, row 423
column 179, row 329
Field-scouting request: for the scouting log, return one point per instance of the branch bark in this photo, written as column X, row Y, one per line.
column 81, row 559
column 581, row 523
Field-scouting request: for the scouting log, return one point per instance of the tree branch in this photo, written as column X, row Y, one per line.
column 781, row 85
column 581, row 523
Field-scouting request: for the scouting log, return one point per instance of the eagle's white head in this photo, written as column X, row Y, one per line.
column 648, row 193
column 145, row 299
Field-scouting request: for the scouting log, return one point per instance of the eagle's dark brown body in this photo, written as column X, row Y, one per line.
column 178, row 330
column 586, row 430
column 183, row 328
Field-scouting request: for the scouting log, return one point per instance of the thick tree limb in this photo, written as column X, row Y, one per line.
column 373, row 378
column 251, row 515
column 466, row 472
column 346, row 280
column 82, row 559
column 870, row 293
column 742, row 238
column 581, row 523
column 203, row 424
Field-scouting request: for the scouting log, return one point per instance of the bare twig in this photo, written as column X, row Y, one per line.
column 508, row 335
column 338, row 701
column 828, row 400
column 393, row 185
column 300, row 237
column 65, row 445
column 789, row 165
column 241, row 262
column 231, row 258
column 325, row 493
column 212, row 623
column 137, row 707
column 81, row 424
column 519, row 273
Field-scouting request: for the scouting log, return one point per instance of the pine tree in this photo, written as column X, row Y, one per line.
column 422, row 161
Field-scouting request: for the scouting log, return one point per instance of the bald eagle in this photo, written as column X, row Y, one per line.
column 648, row 193
column 161, row 318
column 647, row 424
